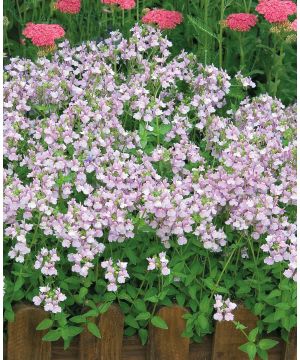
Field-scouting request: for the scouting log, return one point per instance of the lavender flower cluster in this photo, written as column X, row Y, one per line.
column 101, row 121
column 115, row 273
column 159, row 262
column 224, row 309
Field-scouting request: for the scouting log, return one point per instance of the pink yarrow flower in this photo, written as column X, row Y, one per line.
column 276, row 10
column 165, row 19
column 68, row 6
column 124, row 4
column 43, row 35
column 241, row 22
column 294, row 25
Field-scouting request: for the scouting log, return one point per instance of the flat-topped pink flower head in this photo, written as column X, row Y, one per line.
column 124, row 4
column 164, row 19
column 43, row 35
column 68, row 6
column 241, row 22
column 276, row 10
column 294, row 25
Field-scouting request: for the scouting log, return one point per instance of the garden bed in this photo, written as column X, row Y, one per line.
column 139, row 175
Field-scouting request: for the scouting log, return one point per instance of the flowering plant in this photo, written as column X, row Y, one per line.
column 119, row 161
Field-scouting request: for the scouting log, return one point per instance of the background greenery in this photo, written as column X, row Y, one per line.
column 267, row 57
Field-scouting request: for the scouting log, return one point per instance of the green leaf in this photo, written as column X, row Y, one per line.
column 240, row 326
column 91, row 313
column 52, row 335
column 143, row 316
column 198, row 25
column 140, row 305
column 143, row 334
column 157, row 321
column 153, row 299
column 82, row 293
column 45, row 324
column 130, row 320
column 193, row 292
column 266, row 344
column 258, row 308
column 109, row 296
column 78, row 319
column 131, row 255
column 104, row 307
column 93, row 329
column 283, row 306
column 250, row 349
column 71, row 331
column 203, row 322
column 279, row 314
column 274, row 293
column 262, row 353
column 19, row 283
column 9, row 315
column 180, row 298
column 204, row 305
column 252, row 334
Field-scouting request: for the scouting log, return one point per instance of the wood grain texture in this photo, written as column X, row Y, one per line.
column 227, row 339
column 24, row 341
column 169, row 344
column 109, row 347
column 133, row 350
column 291, row 346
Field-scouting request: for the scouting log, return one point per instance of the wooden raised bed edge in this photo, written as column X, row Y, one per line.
column 25, row 343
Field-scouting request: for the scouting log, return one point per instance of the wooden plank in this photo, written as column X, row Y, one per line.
column 169, row 344
column 24, row 341
column 203, row 350
column 291, row 346
column 227, row 339
column 133, row 349
column 72, row 353
column 111, row 325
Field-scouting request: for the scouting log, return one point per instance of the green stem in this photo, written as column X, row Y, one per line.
column 249, row 6
column 113, row 15
column 278, row 68
column 206, row 4
column 242, row 55
column 137, row 11
column 236, row 324
column 221, row 33
column 226, row 265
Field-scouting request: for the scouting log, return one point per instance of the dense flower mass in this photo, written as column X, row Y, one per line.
column 43, row 34
column 241, row 22
column 68, row 6
column 165, row 19
column 276, row 10
column 96, row 156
